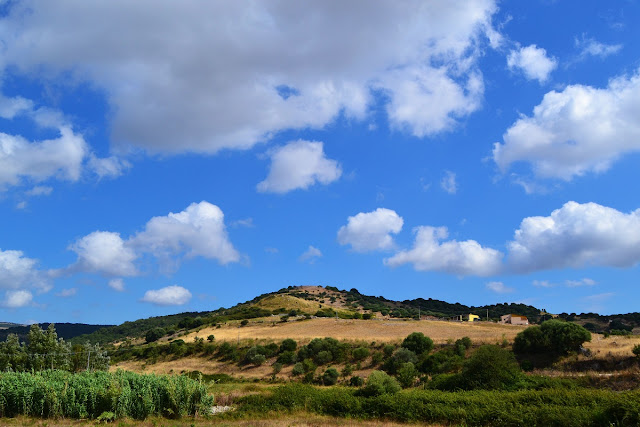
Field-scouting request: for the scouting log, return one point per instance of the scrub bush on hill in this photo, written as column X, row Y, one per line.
column 552, row 337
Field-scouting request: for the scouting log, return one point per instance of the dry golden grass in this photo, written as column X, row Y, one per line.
column 362, row 330
column 289, row 302
column 613, row 346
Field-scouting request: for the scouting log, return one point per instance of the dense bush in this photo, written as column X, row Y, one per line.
column 54, row 394
column 418, row 343
column 553, row 336
column 360, row 353
column 330, row 376
column 379, row 383
column 288, row 345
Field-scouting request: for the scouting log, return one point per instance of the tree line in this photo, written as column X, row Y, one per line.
column 44, row 350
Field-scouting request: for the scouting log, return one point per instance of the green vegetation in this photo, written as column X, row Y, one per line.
column 44, row 350
column 55, row 394
column 553, row 336
column 548, row 407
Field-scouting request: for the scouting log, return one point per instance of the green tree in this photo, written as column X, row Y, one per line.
column 553, row 336
column 407, row 375
column 418, row 343
column 380, row 383
column 154, row 334
column 330, row 376
column 491, row 367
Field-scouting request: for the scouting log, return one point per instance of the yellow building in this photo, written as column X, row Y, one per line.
column 472, row 317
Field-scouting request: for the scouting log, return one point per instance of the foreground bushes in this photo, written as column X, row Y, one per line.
column 549, row 407
column 53, row 394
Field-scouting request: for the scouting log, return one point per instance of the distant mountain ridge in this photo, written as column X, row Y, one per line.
column 64, row 330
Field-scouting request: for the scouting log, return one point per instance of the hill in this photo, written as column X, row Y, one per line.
column 68, row 331
column 329, row 301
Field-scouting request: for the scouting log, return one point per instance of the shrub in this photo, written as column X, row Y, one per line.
column 154, row 335
column 553, row 336
column 400, row 357
column 360, row 353
column 418, row 343
column 298, row 369
column 244, row 322
column 407, row 375
column 288, row 345
column 287, row 357
column 330, row 376
column 356, row 381
column 211, row 338
column 323, row 357
column 347, row 370
column 380, row 383
column 492, row 368
column 255, row 355
column 277, row 367
column 388, row 350
column 636, row 350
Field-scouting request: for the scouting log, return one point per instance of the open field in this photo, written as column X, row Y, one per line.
column 361, row 330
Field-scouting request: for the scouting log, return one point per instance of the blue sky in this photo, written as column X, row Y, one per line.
column 159, row 157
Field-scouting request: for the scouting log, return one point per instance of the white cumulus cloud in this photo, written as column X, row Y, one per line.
column 199, row 230
column 17, row 271
column 578, row 130
column 170, row 295
column 590, row 47
column 576, row 235
column 431, row 252
column 299, row 164
column 371, row 231
column 160, row 64
column 105, row 252
column 17, row 299
column 533, row 62
column 60, row 157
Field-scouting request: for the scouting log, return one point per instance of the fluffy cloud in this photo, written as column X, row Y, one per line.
column 18, row 271
column 580, row 129
column 576, row 235
column 371, row 231
column 449, row 183
column 108, row 167
column 106, row 253
column 311, row 254
column 17, row 299
column 533, row 62
column 299, row 164
column 199, row 230
column 498, row 287
column 170, row 295
column 430, row 253
column 61, row 157
column 276, row 74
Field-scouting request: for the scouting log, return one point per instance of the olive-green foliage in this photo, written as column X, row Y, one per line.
column 154, row 334
column 407, row 375
column 54, row 394
column 288, row 345
column 330, row 376
column 490, row 367
column 255, row 355
column 287, row 357
column 356, row 381
column 418, row 343
column 298, row 369
column 553, row 336
column 636, row 350
column 379, row 383
column 332, row 351
column 444, row 361
column 400, row 357
column 548, row 407
column 360, row 353
column 44, row 350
